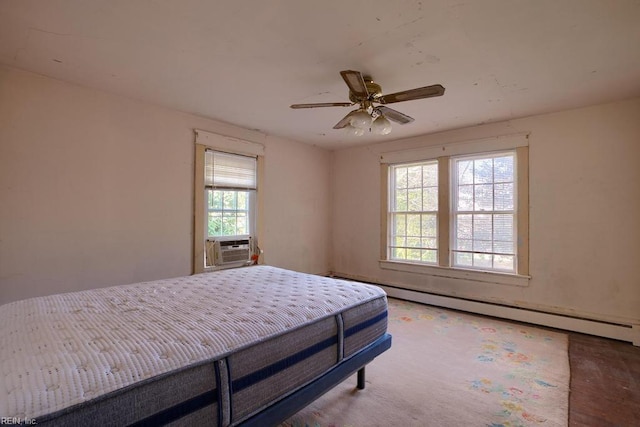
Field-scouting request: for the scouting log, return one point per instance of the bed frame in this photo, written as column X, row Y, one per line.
column 290, row 404
column 293, row 403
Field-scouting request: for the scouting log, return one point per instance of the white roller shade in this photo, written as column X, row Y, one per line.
column 226, row 170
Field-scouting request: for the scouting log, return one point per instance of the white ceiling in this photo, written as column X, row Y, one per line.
column 245, row 61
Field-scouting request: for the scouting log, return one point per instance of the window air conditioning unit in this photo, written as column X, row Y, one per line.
column 229, row 252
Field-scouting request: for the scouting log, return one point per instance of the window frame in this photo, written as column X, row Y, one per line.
column 456, row 211
column 444, row 155
column 393, row 211
column 209, row 141
column 250, row 188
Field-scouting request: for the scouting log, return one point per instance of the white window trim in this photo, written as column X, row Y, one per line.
column 443, row 152
column 476, row 146
column 457, row 273
column 228, row 144
column 393, row 210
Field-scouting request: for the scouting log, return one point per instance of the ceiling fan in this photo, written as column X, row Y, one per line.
column 366, row 93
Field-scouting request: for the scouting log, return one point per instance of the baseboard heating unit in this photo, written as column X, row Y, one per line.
column 619, row 331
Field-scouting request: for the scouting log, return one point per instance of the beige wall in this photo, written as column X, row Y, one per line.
column 584, row 208
column 96, row 190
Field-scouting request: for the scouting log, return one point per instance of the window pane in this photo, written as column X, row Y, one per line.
column 414, row 254
column 429, row 256
column 243, row 200
column 503, row 197
column 482, row 227
column 415, row 199
column 413, row 225
column 401, row 177
column 414, row 176
column 399, row 225
column 215, row 199
column 463, row 260
column 414, row 242
column 464, row 227
column 229, row 224
column 504, row 262
column 399, row 253
column 483, row 261
column 429, row 225
column 503, row 228
column 503, row 169
column 465, row 198
column 241, row 223
column 430, row 175
column 503, row 247
column 465, row 171
column 400, row 241
column 229, row 200
column 464, row 245
column 483, row 171
column 401, row 201
column 430, row 199
column 483, row 197
column 214, row 225
column 482, row 245
column 430, row 243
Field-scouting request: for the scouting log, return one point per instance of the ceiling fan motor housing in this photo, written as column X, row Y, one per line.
column 374, row 89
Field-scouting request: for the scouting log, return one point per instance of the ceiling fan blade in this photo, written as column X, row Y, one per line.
column 346, row 120
column 356, row 83
column 408, row 95
column 394, row 115
column 323, row 104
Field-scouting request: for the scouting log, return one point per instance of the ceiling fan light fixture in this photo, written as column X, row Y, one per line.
column 381, row 125
column 361, row 120
column 353, row 131
column 368, row 117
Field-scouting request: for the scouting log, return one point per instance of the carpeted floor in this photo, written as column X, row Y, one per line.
column 447, row 368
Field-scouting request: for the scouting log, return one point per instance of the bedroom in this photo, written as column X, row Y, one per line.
column 97, row 140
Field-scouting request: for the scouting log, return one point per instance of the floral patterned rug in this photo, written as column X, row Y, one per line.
column 448, row 368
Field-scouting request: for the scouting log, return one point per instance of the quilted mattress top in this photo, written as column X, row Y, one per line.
column 61, row 350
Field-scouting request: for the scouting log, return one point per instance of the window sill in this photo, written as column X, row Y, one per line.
column 457, row 273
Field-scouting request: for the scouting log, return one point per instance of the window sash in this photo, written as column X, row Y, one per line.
column 229, row 214
column 483, row 211
column 413, row 216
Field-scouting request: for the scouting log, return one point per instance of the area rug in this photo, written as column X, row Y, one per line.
column 447, row 368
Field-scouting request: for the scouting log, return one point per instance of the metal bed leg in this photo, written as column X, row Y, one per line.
column 361, row 378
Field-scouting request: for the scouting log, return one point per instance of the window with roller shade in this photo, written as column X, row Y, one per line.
column 230, row 187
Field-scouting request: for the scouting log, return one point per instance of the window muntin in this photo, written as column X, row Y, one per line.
column 484, row 212
column 414, row 212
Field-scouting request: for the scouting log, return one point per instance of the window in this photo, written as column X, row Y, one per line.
column 466, row 210
column 414, row 212
column 230, row 187
column 226, row 198
column 483, row 212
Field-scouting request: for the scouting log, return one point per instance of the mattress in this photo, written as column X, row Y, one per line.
column 222, row 345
